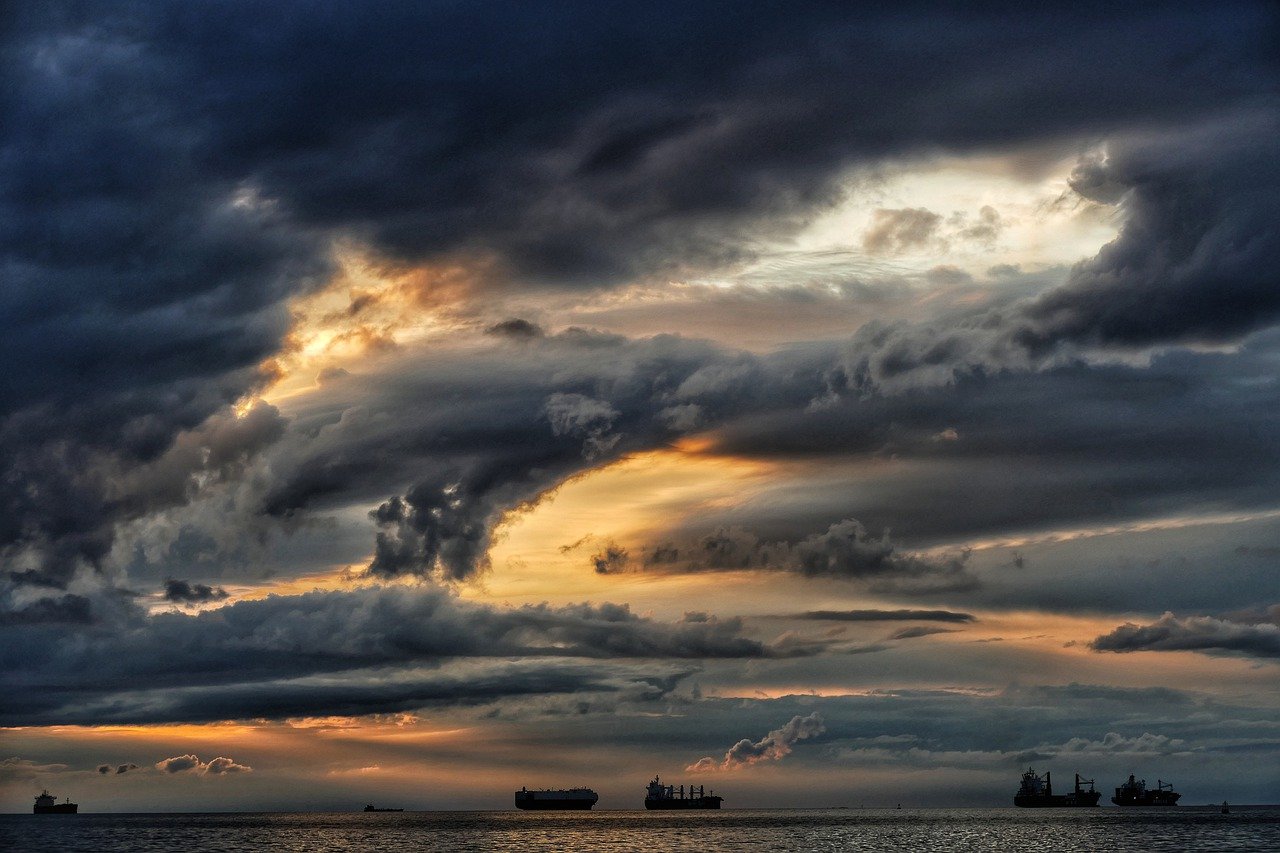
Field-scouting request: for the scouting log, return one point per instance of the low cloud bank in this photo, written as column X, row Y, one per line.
column 1171, row 633
column 219, row 766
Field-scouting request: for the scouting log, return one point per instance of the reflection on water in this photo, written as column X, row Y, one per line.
column 1245, row 829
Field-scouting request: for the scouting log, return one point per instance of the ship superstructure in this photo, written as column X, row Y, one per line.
column 46, row 803
column 659, row 796
column 557, row 799
column 1135, row 792
column 1037, row 792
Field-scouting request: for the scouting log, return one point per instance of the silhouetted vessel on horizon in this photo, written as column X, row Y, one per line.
column 372, row 808
column 46, row 803
column 1037, row 793
column 556, row 799
column 661, row 796
column 1136, row 793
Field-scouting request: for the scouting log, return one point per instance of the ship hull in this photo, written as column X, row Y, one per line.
column 1057, row 801
column 1147, row 802
column 568, row 799
column 555, row 805
column 694, row 803
column 60, row 808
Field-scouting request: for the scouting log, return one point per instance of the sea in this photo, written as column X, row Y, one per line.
column 1245, row 828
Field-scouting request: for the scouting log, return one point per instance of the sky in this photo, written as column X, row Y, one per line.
column 410, row 402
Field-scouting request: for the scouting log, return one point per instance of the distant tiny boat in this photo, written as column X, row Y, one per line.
column 1225, row 808
column 372, row 808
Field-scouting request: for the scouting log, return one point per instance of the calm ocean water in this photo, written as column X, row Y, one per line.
column 1054, row 831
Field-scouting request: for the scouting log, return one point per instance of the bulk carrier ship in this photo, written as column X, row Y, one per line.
column 661, row 796
column 1038, row 793
column 1136, row 793
column 46, row 803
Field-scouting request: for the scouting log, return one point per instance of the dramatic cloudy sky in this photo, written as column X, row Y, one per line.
column 408, row 402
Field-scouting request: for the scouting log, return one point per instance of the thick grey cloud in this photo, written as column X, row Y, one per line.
column 253, row 658
column 1194, row 633
column 1193, row 263
column 173, row 175
column 844, row 550
column 1075, row 443
column 182, row 592
column 516, row 425
column 1196, row 257
column 1070, row 444
column 59, row 608
column 67, row 498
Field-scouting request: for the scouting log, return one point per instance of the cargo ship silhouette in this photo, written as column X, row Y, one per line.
column 556, row 799
column 1136, row 793
column 661, row 796
column 1038, row 793
column 46, row 803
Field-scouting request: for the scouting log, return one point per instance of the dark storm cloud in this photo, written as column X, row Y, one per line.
column 513, row 429
column 1076, row 442
column 281, row 656
column 183, row 592
column 588, row 142
column 1171, row 633
column 1072, row 443
column 67, row 498
column 1196, row 258
column 1193, row 263
column 63, row 608
column 172, row 174
column 140, row 295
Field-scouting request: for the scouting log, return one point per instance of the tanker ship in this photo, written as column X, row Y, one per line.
column 46, row 803
column 1038, row 793
column 661, row 796
column 557, row 799
column 1136, row 793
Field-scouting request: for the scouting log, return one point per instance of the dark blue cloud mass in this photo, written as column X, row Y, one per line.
column 172, row 175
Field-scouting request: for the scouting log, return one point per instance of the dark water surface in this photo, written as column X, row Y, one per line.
column 1253, row 828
